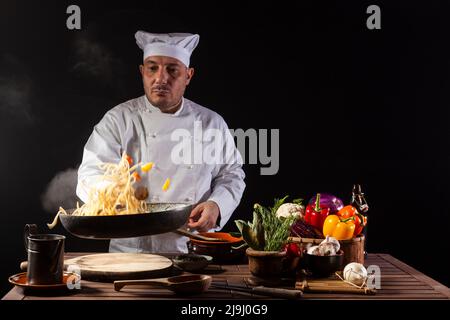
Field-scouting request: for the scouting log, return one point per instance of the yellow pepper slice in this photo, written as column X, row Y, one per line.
column 166, row 185
column 147, row 167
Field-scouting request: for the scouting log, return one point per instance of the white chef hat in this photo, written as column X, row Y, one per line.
column 175, row 45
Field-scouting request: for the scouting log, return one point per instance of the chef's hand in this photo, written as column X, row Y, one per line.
column 204, row 216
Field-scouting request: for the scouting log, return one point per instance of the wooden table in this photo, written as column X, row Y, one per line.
column 398, row 281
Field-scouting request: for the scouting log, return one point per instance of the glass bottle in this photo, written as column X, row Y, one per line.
column 360, row 203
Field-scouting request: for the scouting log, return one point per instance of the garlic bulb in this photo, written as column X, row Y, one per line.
column 328, row 247
column 355, row 273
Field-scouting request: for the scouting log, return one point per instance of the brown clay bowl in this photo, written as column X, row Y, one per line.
column 265, row 264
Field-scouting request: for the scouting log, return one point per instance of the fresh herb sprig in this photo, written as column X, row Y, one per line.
column 267, row 232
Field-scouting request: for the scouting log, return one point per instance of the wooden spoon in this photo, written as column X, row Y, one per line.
column 177, row 284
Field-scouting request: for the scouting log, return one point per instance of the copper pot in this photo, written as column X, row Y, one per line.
column 226, row 251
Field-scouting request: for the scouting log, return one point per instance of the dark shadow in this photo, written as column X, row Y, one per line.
column 51, row 293
column 209, row 271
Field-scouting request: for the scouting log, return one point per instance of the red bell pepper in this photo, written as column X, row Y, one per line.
column 359, row 220
column 316, row 214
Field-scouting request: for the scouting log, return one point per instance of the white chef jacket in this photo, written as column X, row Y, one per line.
column 144, row 132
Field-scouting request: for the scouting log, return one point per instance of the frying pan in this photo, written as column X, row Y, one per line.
column 161, row 218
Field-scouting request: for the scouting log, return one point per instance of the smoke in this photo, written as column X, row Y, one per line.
column 96, row 61
column 61, row 191
column 16, row 88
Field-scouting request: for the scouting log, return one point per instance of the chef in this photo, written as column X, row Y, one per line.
column 144, row 128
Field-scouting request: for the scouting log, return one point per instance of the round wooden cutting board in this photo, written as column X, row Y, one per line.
column 120, row 266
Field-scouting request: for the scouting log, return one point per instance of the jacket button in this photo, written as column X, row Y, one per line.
column 188, row 199
column 191, row 166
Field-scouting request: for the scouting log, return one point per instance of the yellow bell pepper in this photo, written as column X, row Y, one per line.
column 341, row 229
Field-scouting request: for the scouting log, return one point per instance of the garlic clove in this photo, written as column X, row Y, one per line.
column 327, row 249
column 314, row 250
column 334, row 241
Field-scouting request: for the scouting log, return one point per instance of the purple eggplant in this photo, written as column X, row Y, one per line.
column 334, row 203
column 303, row 230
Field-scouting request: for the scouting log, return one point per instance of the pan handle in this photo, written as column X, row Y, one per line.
column 162, row 282
column 189, row 234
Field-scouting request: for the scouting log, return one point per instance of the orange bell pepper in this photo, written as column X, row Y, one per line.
column 341, row 229
column 359, row 220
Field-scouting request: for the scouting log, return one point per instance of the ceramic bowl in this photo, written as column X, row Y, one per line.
column 323, row 266
column 192, row 262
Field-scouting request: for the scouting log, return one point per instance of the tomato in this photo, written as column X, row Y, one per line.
column 292, row 250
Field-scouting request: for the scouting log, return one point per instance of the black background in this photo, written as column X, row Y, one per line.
column 353, row 105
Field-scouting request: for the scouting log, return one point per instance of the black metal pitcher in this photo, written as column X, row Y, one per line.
column 45, row 256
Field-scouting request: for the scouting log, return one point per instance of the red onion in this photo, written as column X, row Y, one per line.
column 334, row 203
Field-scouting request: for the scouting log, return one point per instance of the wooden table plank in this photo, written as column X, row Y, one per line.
column 398, row 281
column 386, row 285
column 15, row 294
column 321, row 296
column 418, row 275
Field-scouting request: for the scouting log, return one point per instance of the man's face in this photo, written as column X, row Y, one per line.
column 165, row 80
